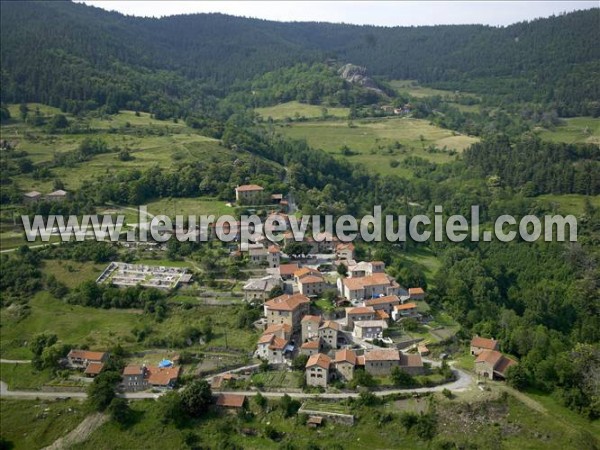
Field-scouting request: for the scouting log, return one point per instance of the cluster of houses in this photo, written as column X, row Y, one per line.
column 136, row 377
column 489, row 362
column 288, row 321
column 35, row 196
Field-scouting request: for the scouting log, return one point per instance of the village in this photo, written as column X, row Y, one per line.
column 334, row 346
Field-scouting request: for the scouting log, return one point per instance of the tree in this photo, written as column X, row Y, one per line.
column 260, row 400
column 102, row 390
column 289, row 406
column 196, row 397
column 23, row 111
column 342, row 269
column 401, row 378
column 299, row 362
column 119, row 410
column 276, row 292
column 59, row 121
column 171, row 408
column 297, row 249
column 516, row 377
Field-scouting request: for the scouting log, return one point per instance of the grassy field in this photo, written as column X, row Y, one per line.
column 293, row 110
column 425, row 260
column 575, row 130
column 72, row 273
column 325, row 406
column 23, row 376
column 277, row 379
column 373, row 141
column 30, row 424
column 151, row 142
column 413, row 88
column 72, row 324
column 570, row 203
column 186, row 206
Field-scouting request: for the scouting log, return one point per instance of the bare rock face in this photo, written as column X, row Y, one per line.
column 358, row 75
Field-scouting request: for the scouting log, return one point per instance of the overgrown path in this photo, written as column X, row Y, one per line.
column 80, row 434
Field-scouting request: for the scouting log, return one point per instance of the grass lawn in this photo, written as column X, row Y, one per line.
column 371, row 140
column 324, row 305
column 298, row 110
column 187, row 206
column 278, row 379
column 23, row 376
column 425, row 260
column 325, row 406
column 32, row 424
column 413, row 88
column 570, row 203
column 72, row 273
column 574, row 130
column 73, row 324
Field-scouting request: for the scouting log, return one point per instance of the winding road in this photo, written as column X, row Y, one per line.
column 463, row 382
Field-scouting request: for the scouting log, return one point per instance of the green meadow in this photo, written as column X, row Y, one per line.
column 569, row 203
column 580, row 130
column 297, row 110
column 373, row 141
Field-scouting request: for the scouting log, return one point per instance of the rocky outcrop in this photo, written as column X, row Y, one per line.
column 358, row 75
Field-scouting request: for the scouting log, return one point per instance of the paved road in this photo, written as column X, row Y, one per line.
column 463, row 382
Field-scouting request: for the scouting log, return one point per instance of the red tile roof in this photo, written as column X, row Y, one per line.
column 405, row 306
column 271, row 329
column 133, row 369
column 305, row 271
column 320, row 360
column 382, row 300
column 382, row 355
column 231, row 400
column 416, row 291
column 376, row 279
column 163, row 376
column 309, row 318
column 310, row 345
column 86, row 354
column 94, row 368
column 249, row 188
column 345, row 355
column 489, row 356
column 330, row 324
column 360, row 310
column 489, row 344
column 410, row 360
column 311, row 279
column 288, row 269
column 287, row 302
column 277, row 343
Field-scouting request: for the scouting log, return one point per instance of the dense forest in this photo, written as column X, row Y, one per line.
column 79, row 57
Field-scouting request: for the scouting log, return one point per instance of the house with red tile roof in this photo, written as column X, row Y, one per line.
column 163, row 377
column 416, row 293
column 345, row 362
column 328, row 333
column 381, row 362
column 492, row 364
column 286, row 271
column 385, row 303
column 249, row 194
column 134, row 378
column 345, row 251
column 405, row 310
column 80, row 359
column 310, row 327
column 271, row 348
column 368, row 287
column 93, row 369
column 478, row 344
column 318, row 370
column 231, row 401
column 311, row 347
column 288, row 309
column 358, row 313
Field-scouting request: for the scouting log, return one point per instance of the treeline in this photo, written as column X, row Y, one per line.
column 536, row 166
column 80, row 58
column 541, row 301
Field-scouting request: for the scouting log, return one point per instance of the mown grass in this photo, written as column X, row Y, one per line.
column 570, row 203
column 187, row 206
column 372, row 141
column 574, row 130
column 278, row 379
column 30, row 424
column 73, row 324
column 413, row 88
column 23, row 376
column 292, row 110
column 72, row 273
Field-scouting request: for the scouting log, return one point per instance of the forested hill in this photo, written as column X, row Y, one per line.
column 57, row 51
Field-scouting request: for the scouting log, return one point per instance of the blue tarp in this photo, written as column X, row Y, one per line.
column 165, row 363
